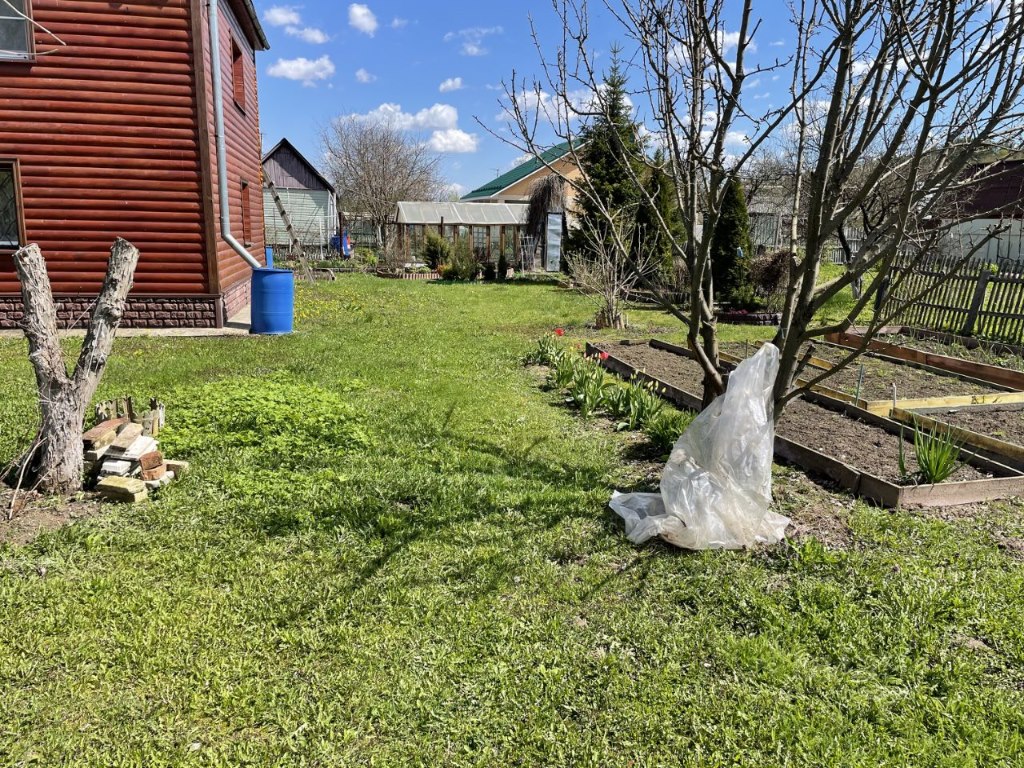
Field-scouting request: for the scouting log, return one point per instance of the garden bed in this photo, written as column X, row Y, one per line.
column 742, row 317
column 993, row 431
column 855, row 448
column 997, row 364
column 409, row 275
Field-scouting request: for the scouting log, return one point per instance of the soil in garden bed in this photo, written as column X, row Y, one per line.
column 860, row 445
column 671, row 368
column 880, row 375
column 977, row 355
column 863, row 446
column 1005, row 424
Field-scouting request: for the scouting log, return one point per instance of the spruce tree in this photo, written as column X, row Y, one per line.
column 609, row 141
column 730, row 250
column 662, row 190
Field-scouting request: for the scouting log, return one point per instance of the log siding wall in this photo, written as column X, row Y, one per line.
column 104, row 130
column 241, row 128
column 113, row 135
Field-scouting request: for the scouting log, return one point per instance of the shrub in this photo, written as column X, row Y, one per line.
column 769, row 274
column 664, row 430
column 436, row 250
column 462, row 265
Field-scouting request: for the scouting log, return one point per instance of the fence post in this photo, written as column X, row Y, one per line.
column 976, row 303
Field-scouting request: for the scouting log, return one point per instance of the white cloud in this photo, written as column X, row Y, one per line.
column 729, row 40
column 364, row 77
column 778, row 43
column 281, row 16
column 397, row 23
column 451, row 84
column 439, row 117
column 302, row 70
column 308, row 34
column 472, row 39
column 288, row 17
column 361, row 17
column 453, row 140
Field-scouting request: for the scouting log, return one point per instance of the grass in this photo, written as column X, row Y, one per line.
column 456, row 592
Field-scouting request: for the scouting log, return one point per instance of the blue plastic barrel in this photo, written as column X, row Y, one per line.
column 270, row 256
column 273, row 301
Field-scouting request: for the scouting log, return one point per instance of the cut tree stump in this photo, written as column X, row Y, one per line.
column 54, row 463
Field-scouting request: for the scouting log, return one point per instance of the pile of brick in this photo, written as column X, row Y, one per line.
column 122, row 457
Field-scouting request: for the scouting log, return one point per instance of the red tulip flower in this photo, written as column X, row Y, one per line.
column 559, row 332
column 603, row 355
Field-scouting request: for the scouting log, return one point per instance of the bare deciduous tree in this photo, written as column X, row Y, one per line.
column 54, row 462
column 893, row 109
column 615, row 259
column 374, row 165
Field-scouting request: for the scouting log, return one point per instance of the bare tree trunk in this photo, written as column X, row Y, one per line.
column 54, row 463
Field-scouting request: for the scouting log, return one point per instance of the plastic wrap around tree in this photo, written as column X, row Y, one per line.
column 717, row 486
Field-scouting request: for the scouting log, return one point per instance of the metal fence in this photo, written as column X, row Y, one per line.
column 982, row 299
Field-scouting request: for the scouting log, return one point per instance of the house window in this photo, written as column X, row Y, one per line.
column 246, row 224
column 237, row 74
column 10, row 217
column 15, row 30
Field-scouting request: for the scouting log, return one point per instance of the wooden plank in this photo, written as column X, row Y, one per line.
column 857, row 482
column 1010, row 452
column 979, row 372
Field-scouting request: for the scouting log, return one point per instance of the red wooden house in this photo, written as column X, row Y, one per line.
column 107, row 128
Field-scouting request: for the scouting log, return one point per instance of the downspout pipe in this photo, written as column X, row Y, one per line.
column 218, row 127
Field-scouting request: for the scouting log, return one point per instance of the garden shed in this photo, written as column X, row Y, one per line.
column 494, row 229
column 304, row 193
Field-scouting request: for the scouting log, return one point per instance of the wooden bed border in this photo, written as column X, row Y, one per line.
column 862, row 484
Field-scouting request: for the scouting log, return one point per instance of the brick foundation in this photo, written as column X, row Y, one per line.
column 237, row 298
column 140, row 311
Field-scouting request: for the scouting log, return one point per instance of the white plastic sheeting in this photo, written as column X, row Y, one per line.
column 717, row 486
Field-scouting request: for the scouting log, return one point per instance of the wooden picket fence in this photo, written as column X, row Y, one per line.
column 981, row 299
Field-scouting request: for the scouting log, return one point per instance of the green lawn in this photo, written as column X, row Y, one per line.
column 444, row 584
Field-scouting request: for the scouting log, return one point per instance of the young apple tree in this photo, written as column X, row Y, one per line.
column 890, row 119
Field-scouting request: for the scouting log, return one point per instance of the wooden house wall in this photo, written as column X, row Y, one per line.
column 104, row 131
column 242, row 133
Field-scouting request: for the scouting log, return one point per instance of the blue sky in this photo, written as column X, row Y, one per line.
column 434, row 66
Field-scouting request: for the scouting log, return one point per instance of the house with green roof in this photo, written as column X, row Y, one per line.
column 514, row 186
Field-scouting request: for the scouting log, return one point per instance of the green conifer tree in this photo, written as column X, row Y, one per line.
column 730, row 250
column 660, row 189
column 609, row 140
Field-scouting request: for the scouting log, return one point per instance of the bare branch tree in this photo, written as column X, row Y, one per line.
column 893, row 108
column 374, row 165
column 612, row 264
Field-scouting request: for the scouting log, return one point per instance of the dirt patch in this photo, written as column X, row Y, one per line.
column 855, row 443
column 863, row 446
column 880, row 375
column 815, row 509
column 671, row 368
column 1002, row 423
column 23, row 518
column 1000, row 356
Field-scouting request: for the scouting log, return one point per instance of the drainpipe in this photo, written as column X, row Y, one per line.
column 218, row 126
